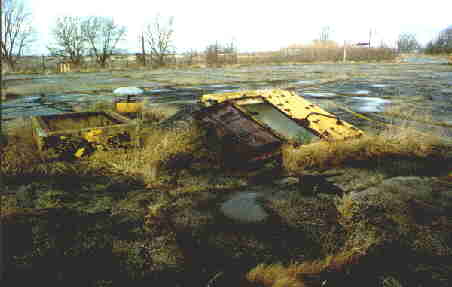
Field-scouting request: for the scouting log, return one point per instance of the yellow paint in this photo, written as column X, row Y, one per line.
column 93, row 135
column 326, row 125
column 125, row 107
column 79, row 153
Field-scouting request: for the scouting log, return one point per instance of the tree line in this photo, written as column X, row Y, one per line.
column 442, row 44
column 97, row 36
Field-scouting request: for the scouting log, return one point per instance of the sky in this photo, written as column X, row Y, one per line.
column 255, row 25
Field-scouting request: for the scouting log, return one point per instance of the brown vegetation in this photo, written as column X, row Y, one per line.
column 159, row 218
column 18, row 153
column 391, row 142
column 306, row 273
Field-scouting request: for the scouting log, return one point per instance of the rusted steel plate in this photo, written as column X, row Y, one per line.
column 242, row 138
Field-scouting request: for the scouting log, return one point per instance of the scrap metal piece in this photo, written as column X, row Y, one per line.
column 242, row 139
column 129, row 105
column 323, row 124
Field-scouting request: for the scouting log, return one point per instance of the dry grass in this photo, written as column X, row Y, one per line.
column 272, row 275
column 311, row 273
column 413, row 134
column 164, row 153
column 158, row 113
column 389, row 143
column 300, row 274
column 412, row 113
column 22, row 161
column 19, row 154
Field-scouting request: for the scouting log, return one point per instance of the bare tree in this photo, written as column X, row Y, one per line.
column 17, row 32
column 407, row 42
column 70, row 39
column 220, row 54
column 212, row 53
column 442, row 44
column 143, row 50
column 159, row 37
column 190, row 56
column 102, row 35
column 325, row 34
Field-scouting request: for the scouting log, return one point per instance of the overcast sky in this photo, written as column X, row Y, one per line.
column 256, row 25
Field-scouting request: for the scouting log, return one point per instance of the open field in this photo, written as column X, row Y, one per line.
column 373, row 211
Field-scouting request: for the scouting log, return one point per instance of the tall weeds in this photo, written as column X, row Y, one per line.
column 403, row 140
column 163, row 153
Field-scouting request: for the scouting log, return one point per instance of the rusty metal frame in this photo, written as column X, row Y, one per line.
column 97, row 135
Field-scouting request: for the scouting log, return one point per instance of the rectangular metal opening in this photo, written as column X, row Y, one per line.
column 79, row 121
column 281, row 124
column 241, row 138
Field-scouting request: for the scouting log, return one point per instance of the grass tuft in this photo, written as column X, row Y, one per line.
column 390, row 143
column 163, row 154
column 18, row 153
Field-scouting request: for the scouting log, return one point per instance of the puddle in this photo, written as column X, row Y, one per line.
column 41, row 111
column 217, row 86
column 225, row 91
column 416, row 60
column 159, row 91
column 446, row 91
column 154, row 103
column 150, row 85
column 376, row 82
column 30, row 106
column 446, row 75
column 355, row 93
column 243, row 206
column 379, row 85
column 319, row 95
column 115, row 80
column 306, row 82
column 368, row 104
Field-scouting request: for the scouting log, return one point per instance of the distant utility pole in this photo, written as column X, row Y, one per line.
column 344, row 58
column 372, row 32
column 43, row 62
column 143, row 52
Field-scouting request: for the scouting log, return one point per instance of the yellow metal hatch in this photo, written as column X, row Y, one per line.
column 322, row 123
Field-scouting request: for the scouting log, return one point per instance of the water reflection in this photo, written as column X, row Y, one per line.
column 368, row 104
column 280, row 123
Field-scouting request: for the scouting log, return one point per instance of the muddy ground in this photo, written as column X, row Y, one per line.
column 213, row 226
